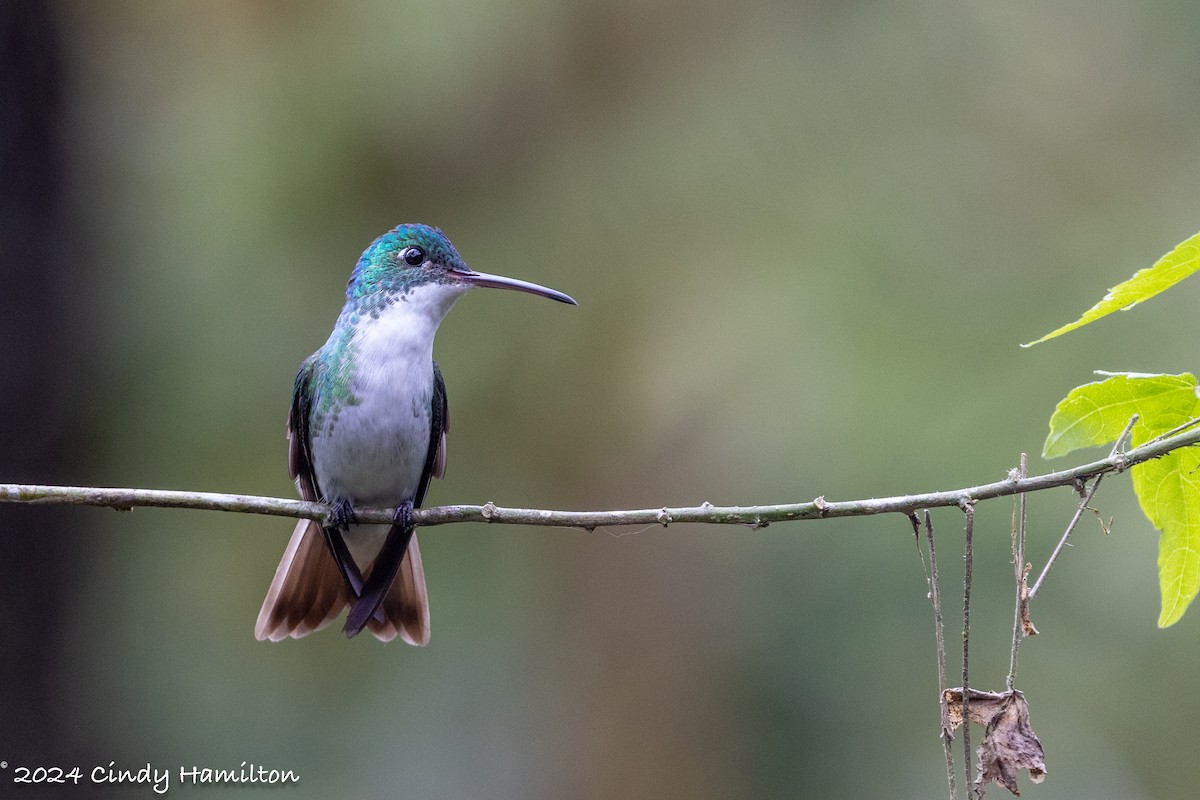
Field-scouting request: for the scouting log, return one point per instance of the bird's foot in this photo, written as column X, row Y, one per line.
column 341, row 513
column 403, row 515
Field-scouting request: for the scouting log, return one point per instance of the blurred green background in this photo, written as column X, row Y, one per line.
column 806, row 240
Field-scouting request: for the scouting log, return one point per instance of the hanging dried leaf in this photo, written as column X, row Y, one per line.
column 1009, row 743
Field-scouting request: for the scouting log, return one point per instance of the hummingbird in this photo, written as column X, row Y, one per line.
column 367, row 427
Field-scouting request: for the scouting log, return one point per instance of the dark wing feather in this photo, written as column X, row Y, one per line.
column 300, row 467
column 435, row 460
column 299, row 439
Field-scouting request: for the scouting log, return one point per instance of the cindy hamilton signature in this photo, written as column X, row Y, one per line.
column 156, row 778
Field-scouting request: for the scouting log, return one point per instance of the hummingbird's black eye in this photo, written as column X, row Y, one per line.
column 413, row 256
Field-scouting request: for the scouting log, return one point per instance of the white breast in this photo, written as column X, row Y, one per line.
column 375, row 452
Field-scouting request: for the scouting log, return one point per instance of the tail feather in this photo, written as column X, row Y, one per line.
column 308, row 592
column 405, row 606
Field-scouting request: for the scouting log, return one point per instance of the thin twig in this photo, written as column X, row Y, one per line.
column 968, row 560
column 125, row 499
column 1087, row 498
column 1018, row 547
column 1191, row 423
column 947, row 734
column 916, row 526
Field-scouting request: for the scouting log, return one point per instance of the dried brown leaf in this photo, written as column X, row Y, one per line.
column 1009, row 743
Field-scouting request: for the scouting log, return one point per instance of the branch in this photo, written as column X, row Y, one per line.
column 754, row 516
column 1021, row 606
column 1083, row 505
column 947, row 734
column 968, row 565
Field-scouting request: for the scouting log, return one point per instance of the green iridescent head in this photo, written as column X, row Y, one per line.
column 404, row 257
column 414, row 255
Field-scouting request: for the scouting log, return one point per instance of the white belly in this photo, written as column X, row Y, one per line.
column 374, row 453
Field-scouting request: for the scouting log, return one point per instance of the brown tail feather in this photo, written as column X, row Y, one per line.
column 406, row 606
column 308, row 593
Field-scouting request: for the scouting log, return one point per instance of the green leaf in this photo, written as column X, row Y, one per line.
column 1168, row 488
column 1166, row 272
column 1096, row 413
column 1168, row 491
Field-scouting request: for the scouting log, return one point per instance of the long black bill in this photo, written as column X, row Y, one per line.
column 501, row 282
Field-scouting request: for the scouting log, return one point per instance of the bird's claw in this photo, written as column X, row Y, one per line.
column 341, row 514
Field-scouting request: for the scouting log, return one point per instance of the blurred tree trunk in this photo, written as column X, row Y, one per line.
column 42, row 391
